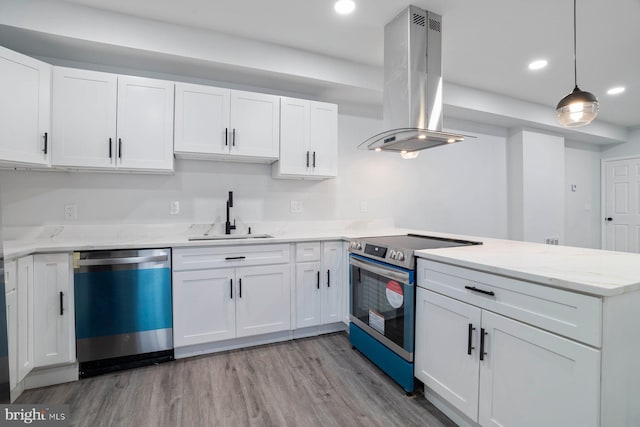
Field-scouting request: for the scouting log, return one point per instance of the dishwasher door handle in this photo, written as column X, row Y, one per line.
column 120, row 261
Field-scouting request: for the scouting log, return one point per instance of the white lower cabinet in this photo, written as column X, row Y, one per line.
column 239, row 300
column 54, row 320
column 25, row 317
column 10, row 269
column 495, row 370
column 319, row 286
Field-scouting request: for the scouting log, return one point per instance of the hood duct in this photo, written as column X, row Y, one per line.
column 412, row 97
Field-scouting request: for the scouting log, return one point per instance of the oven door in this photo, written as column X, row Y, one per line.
column 383, row 303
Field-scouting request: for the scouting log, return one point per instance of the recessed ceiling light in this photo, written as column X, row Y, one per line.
column 344, row 7
column 615, row 90
column 538, row 64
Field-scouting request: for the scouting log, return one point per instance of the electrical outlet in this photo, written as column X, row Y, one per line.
column 174, row 207
column 551, row 240
column 296, row 206
column 70, row 212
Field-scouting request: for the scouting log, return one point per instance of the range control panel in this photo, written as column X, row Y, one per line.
column 395, row 256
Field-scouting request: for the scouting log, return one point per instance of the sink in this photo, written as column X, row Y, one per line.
column 230, row 237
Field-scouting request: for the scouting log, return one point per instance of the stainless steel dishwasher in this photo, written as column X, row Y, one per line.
column 123, row 309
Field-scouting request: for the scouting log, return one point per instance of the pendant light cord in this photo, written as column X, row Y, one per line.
column 575, row 55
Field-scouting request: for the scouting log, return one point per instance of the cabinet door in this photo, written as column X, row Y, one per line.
column 308, row 294
column 442, row 359
column 145, row 123
column 25, row 108
column 12, row 336
column 54, row 321
column 264, row 299
column 84, row 118
column 255, row 120
column 323, row 139
column 25, row 316
column 530, row 377
column 202, row 119
column 203, row 306
column 295, row 157
column 331, row 282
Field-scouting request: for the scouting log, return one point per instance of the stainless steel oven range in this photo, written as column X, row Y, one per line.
column 382, row 290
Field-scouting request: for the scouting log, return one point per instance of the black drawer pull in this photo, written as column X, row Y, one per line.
column 61, row 304
column 233, row 141
column 307, row 159
column 482, row 352
column 226, row 137
column 240, row 286
column 482, row 291
column 46, row 140
column 328, row 278
column 469, row 342
column 119, row 148
column 314, row 159
column 318, row 279
column 110, row 149
column 231, row 287
column 229, row 258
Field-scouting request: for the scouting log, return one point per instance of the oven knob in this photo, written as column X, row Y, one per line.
column 393, row 254
column 400, row 256
column 358, row 246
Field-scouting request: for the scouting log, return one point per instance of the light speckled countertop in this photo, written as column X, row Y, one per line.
column 595, row 272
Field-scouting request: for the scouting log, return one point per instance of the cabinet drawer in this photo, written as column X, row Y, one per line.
column 569, row 314
column 308, row 251
column 229, row 256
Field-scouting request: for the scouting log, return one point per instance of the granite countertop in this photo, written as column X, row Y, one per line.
column 590, row 271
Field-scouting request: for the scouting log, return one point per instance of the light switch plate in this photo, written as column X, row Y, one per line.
column 174, row 208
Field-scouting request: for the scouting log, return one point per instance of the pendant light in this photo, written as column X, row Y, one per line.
column 578, row 108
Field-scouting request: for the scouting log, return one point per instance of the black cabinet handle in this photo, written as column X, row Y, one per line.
column 233, row 140
column 328, row 278
column 46, row 141
column 482, row 291
column 318, row 279
column 110, row 149
column 609, row 218
column 240, row 288
column 307, row 159
column 469, row 337
column 314, row 159
column 119, row 148
column 229, row 258
column 61, row 303
column 226, row 137
column 231, row 288
column 482, row 334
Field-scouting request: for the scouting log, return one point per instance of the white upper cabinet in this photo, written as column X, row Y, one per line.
column 308, row 140
column 145, row 123
column 202, row 120
column 84, row 118
column 25, row 109
column 226, row 124
column 106, row 121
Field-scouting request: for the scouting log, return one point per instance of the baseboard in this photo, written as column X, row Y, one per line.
column 17, row 391
column 42, row 377
column 449, row 410
column 232, row 344
column 313, row 331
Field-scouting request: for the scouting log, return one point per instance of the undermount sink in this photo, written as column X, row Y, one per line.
column 230, row 237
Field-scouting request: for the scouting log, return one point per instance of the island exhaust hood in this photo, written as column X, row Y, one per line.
column 412, row 97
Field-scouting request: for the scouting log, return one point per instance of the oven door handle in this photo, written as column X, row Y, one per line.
column 401, row 276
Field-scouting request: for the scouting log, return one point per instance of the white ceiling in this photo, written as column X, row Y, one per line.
column 486, row 44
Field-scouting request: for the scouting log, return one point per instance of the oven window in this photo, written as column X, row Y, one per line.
column 384, row 304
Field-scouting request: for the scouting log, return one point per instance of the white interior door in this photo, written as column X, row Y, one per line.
column 621, row 209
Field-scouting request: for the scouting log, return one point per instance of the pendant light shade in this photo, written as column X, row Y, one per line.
column 579, row 108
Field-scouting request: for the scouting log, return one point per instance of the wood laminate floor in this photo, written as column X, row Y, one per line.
column 316, row 381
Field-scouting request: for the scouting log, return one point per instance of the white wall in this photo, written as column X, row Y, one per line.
column 458, row 188
column 630, row 148
column 583, row 219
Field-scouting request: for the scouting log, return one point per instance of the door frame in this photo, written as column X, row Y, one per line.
column 603, row 193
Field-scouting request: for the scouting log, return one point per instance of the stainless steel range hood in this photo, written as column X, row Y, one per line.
column 412, row 97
